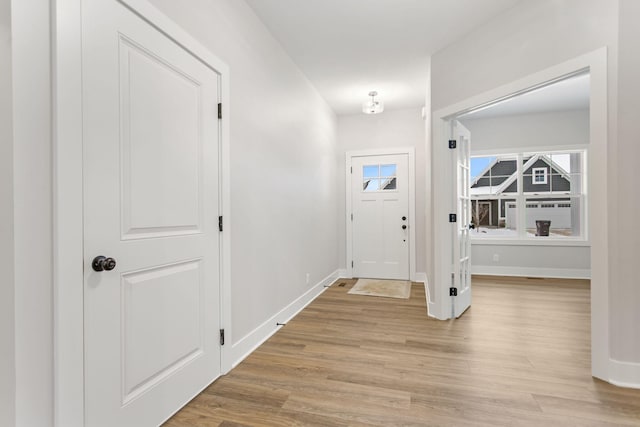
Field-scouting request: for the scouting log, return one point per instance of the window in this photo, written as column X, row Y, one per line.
column 539, row 175
column 379, row 177
column 525, row 190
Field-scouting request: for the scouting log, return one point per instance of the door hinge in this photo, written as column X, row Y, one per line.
column 453, row 217
column 351, row 217
column 219, row 110
column 220, row 223
column 452, row 144
column 453, row 292
column 221, row 336
column 351, row 264
column 351, row 169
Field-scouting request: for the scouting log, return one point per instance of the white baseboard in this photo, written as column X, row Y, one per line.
column 556, row 273
column 342, row 273
column 246, row 345
column 624, row 374
column 422, row 277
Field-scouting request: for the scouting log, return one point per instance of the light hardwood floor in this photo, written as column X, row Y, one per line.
column 520, row 356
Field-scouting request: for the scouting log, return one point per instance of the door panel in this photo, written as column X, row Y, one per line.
column 380, row 199
column 161, row 179
column 167, row 299
column 461, row 257
column 151, row 202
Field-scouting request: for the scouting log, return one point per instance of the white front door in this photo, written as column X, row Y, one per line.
column 461, row 257
column 151, row 203
column 380, row 222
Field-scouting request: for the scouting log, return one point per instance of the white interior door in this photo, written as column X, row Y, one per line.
column 151, row 203
column 380, row 222
column 461, row 256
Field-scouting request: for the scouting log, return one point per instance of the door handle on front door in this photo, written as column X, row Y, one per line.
column 101, row 263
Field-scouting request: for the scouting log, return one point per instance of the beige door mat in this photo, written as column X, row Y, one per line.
column 382, row 288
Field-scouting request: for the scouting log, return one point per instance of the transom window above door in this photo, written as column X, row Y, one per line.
column 379, row 177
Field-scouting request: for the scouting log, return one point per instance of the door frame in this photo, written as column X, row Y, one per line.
column 596, row 63
column 68, row 283
column 349, row 155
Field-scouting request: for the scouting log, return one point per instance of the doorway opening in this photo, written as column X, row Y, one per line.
column 530, row 159
column 596, row 238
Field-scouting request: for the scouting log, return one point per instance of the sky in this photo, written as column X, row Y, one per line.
column 478, row 164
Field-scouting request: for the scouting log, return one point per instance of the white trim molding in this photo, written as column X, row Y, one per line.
column 67, row 196
column 422, row 278
column 349, row 155
column 554, row 273
column 531, row 241
column 254, row 339
column 596, row 64
column 68, row 279
column 624, row 374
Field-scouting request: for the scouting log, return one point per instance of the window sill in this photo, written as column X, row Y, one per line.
column 530, row 242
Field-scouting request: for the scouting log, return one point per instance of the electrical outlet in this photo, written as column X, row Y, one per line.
column 496, row 258
column 308, row 277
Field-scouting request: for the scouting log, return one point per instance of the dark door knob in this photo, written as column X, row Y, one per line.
column 404, row 218
column 404, row 227
column 101, row 263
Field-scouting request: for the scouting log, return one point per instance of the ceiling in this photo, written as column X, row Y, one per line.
column 568, row 94
column 348, row 48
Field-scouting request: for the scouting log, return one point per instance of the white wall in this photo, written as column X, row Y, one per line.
column 400, row 128
column 430, row 245
column 7, row 348
column 625, row 292
column 32, row 211
column 525, row 131
column 528, row 132
column 531, row 261
column 283, row 151
column 533, row 36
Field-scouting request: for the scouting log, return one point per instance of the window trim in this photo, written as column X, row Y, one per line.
column 534, row 175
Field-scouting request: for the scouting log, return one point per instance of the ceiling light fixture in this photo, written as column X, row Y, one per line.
column 372, row 106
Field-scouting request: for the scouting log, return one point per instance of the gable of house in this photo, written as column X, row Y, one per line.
column 502, row 170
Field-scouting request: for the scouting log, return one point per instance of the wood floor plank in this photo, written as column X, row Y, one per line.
column 623, row 413
column 520, row 356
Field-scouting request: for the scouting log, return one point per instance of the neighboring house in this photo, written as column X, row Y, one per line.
column 493, row 191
